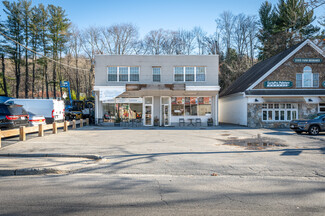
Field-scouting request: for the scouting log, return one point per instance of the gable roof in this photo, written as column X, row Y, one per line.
column 263, row 68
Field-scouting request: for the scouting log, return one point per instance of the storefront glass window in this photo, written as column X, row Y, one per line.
column 148, row 100
column 109, row 111
column 191, row 106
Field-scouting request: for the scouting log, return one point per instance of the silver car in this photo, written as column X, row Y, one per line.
column 313, row 126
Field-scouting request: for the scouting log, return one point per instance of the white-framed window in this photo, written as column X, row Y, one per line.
column 189, row 74
column 156, row 74
column 279, row 112
column 321, row 107
column 123, row 73
column 307, row 79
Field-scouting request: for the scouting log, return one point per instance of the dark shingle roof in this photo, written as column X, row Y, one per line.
column 254, row 73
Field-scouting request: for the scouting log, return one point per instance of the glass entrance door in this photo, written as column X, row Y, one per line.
column 148, row 115
column 165, row 111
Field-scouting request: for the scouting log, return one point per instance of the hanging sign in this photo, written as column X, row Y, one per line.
column 307, row 60
column 324, row 84
column 277, row 84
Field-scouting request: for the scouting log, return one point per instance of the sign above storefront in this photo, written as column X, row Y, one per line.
column 307, row 60
column 277, row 84
column 124, row 100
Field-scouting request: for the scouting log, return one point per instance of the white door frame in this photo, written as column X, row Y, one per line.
column 162, row 113
column 144, row 110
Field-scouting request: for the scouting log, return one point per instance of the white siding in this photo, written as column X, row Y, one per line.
column 233, row 109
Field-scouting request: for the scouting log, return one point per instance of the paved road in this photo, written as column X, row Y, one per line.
column 173, row 172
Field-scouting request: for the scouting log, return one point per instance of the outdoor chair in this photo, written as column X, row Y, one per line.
column 198, row 121
column 181, row 121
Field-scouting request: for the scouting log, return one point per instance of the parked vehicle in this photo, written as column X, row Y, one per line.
column 313, row 126
column 35, row 120
column 12, row 116
column 51, row 109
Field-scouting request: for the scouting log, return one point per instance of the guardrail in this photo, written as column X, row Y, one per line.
column 22, row 131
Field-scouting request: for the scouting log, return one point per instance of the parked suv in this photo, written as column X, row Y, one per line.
column 313, row 126
column 12, row 116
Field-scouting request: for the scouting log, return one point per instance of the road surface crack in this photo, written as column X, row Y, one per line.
column 160, row 193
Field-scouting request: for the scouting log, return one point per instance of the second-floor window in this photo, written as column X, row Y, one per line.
column 307, row 78
column 189, row 74
column 123, row 74
column 156, row 74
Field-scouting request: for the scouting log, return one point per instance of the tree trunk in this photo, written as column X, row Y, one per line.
column 33, row 81
column 3, row 75
column 46, row 83
column 27, row 76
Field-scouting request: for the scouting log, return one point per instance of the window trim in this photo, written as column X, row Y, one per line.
column 156, row 74
column 184, row 73
column 118, row 73
column 285, row 110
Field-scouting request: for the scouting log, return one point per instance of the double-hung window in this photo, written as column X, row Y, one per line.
column 123, row 74
column 179, row 74
column 189, row 74
column 112, row 74
column 156, row 74
column 134, row 73
column 307, row 78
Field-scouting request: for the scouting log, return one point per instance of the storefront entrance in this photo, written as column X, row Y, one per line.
column 165, row 111
column 148, row 111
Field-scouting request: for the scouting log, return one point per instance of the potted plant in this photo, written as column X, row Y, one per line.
column 156, row 121
column 210, row 122
column 117, row 122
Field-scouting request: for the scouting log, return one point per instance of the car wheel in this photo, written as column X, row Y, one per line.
column 298, row 132
column 313, row 130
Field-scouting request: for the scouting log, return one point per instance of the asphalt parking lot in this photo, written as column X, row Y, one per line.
column 175, row 171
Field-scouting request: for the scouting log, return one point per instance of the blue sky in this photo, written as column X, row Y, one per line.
column 149, row 15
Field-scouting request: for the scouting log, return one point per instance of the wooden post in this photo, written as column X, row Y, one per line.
column 55, row 128
column 87, row 121
column 0, row 138
column 40, row 130
column 74, row 126
column 65, row 126
column 22, row 133
column 81, row 123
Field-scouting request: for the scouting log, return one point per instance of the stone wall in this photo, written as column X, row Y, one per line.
column 254, row 115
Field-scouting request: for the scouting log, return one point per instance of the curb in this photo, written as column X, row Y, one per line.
column 31, row 171
column 92, row 157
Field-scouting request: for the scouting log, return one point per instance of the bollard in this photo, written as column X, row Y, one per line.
column 40, row 130
column 87, row 121
column 74, row 126
column 65, row 126
column 81, row 123
column 22, row 133
column 55, row 128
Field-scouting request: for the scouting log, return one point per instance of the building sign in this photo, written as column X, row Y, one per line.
column 277, row 84
column 124, row 100
column 307, row 60
column 324, row 84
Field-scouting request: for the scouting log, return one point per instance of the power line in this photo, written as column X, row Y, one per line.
column 42, row 54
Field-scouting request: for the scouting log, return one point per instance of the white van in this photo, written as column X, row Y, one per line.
column 51, row 109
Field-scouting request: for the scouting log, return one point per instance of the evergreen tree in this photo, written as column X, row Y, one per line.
column 58, row 25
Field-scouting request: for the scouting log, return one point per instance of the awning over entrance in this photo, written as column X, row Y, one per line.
column 109, row 92
column 283, row 100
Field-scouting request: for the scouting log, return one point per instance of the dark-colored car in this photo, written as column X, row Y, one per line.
column 13, row 116
column 313, row 126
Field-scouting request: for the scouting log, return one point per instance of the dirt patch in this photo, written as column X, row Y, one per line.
column 225, row 134
column 255, row 143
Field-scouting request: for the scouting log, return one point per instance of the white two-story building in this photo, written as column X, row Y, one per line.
column 162, row 89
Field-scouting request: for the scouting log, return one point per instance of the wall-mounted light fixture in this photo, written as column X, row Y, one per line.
column 256, row 100
column 310, row 100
